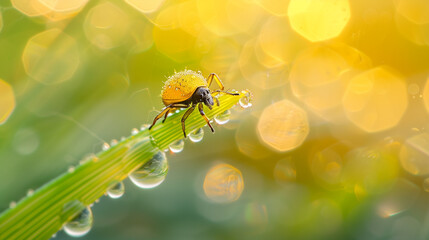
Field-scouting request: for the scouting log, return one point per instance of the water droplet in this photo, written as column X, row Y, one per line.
column 30, row 192
column 144, row 127
column 153, row 141
column 123, row 139
column 97, row 200
column 70, row 169
column 245, row 102
column 12, row 204
column 134, row 131
column 117, row 190
column 113, row 142
column 197, row 135
column 177, row 146
column 54, row 235
column 81, row 224
column 106, row 146
column 177, row 111
column 223, row 117
column 152, row 173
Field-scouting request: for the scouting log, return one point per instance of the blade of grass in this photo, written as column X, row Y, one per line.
column 42, row 214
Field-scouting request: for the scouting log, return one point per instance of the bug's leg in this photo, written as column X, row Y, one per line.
column 165, row 110
column 185, row 116
column 166, row 114
column 216, row 78
column 226, row 92
column 217, row 101
column 200, row 108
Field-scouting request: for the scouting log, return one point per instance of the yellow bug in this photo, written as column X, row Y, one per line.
column 187, row 89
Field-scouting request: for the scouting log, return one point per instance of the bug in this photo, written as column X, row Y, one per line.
column 189, row 89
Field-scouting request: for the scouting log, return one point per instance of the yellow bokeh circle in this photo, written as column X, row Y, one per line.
column 320, row 74
column 51, row 56
column 106, row 26
column 376, row 99
column 223, row 183
column 318, row 20
column 283, row 126
column 7, row 101
column 426, row 95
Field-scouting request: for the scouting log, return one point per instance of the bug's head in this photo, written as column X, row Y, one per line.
column 203, row 95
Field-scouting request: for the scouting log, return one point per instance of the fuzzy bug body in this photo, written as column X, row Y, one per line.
column 181, row 86
column 187, row 89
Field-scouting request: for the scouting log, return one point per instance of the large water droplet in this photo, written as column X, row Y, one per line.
column 152, row 173
column 223, row 117
column 197, row 135
column 12, row 204
column 81, row 224
column 177, row 146
column 117, row 190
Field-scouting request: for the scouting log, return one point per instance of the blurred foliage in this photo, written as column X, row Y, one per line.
column 334, row 147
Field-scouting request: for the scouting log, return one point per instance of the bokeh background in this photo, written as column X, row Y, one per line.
column 335, row 145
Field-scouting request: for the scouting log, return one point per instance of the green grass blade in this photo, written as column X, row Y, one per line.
column 42, row 214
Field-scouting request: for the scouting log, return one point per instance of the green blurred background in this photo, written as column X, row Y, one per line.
column 335, row 145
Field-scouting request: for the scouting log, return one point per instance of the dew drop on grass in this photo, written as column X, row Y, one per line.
column 81, row 224
column 223, row 117
column 177, row 146
column 113, row 142
column 30, row 192
column 197, row 135
column 152, row 173
column 70, row 169
column 106, row 146
column 12, row 204
column 117, row 190
column 134, row 131
column 144, row 127
column 245, row 102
